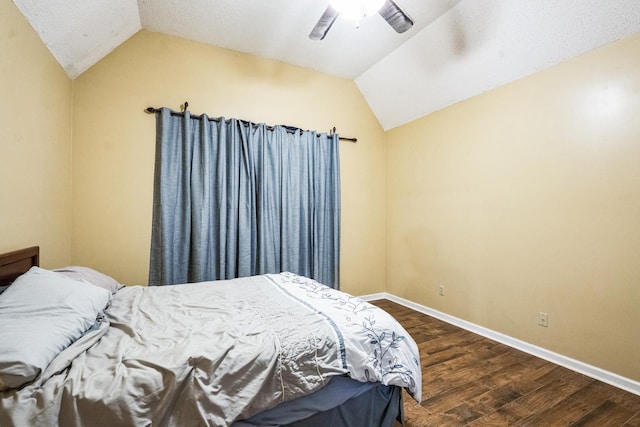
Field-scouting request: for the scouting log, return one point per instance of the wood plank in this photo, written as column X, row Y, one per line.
column 567, row 412
column 608, row 414
column 633, row 422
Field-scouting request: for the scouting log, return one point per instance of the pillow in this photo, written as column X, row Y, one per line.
column 3, row 288
column 41, row 314
column 92, row 276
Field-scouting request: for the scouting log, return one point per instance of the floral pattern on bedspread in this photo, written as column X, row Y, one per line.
column 379, row 349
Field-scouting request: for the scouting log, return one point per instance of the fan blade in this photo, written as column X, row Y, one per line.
column 324, row 23
column 395, row 16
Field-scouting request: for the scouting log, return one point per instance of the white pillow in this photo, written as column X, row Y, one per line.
column 41, row 314
column 92, row 276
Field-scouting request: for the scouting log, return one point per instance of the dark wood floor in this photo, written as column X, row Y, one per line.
column 469, row 380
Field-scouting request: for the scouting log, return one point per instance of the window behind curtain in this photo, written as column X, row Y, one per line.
column 234, row 199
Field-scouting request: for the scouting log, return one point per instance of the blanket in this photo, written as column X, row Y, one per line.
column 211, row 353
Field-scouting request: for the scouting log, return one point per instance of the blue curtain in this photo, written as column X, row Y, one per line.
column 235, row 199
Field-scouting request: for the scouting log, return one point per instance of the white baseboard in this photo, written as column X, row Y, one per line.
column 379, row 295
column 594, row 372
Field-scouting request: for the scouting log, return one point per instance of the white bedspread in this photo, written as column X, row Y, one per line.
column 214, row 352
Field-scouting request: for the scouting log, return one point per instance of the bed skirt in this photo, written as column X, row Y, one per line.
column 370, row 404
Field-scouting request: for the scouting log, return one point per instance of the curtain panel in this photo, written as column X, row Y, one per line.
column 235, row 199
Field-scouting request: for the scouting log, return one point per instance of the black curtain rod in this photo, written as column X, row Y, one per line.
column 151, row 110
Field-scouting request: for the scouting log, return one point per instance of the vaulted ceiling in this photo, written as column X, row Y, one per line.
column 455, row 50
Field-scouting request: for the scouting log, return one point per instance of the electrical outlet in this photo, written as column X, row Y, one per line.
column 441, row 290
column 543, row 319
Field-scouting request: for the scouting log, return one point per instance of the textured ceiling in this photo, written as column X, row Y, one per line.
column 456, row 49
column 482, row 44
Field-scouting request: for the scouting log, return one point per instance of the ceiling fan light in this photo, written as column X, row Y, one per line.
column 355, row 10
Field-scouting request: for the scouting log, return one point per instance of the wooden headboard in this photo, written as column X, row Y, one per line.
column 13, row 264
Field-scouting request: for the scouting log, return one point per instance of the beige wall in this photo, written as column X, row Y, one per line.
column 35, row 143
column 113, row 145
column 527, row 199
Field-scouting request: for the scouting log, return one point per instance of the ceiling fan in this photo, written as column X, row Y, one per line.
column 356, row 10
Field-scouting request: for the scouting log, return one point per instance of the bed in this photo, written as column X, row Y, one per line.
column 268, row 350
